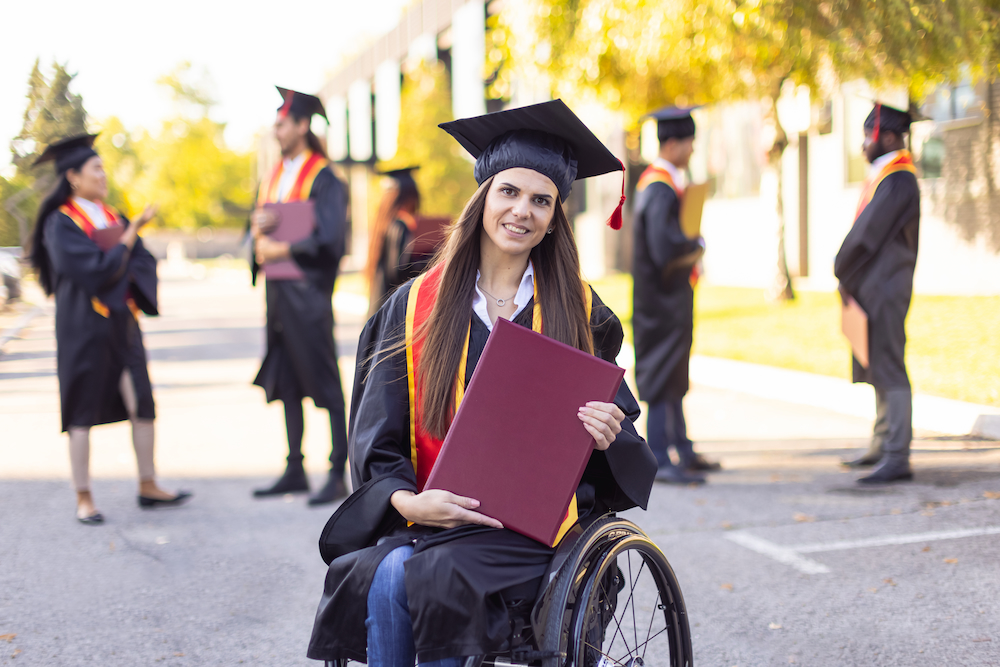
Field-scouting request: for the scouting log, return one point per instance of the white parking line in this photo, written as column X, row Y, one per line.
column 792, row 555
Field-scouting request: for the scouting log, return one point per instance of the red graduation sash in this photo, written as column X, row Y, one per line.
column 902, row 162
column 301, row 187
column 83, row 221
column 657, row 174
column 424, row 448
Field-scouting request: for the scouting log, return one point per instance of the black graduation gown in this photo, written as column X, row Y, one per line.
column 301, row 358
column 459, row 580
column 396, row 265
column 662, row 296
column 92, row 350
column 875, row 265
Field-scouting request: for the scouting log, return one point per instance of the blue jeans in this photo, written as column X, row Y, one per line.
column 390, row 630
column 665, row 428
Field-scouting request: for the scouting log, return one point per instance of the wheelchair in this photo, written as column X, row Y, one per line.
column 609, row 599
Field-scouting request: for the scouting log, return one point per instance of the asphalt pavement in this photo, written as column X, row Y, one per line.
column 783, row 559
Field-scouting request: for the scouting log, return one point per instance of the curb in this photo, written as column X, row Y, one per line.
column 930, row 413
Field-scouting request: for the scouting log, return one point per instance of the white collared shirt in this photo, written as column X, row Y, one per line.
column 880, row 162
column 525, row 291
column 289, row 172
column 94, row 211
column 680, row 178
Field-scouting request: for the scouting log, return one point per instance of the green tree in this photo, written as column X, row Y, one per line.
column 52, row 113
column 186, row 168
column 635, row 55
column 445, row 176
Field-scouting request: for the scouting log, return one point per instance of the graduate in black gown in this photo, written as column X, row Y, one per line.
column 91, row 258
column 301, row 358
column 438, row 589
column 875, row 267
column 391, row 259
column 663, row 298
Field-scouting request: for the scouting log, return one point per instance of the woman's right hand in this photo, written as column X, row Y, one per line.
column 440, row 509
column 147, row 214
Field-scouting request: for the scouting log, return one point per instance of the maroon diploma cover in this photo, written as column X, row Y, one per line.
column 296, row 221
column 516, row 444
column 109, row 237
column 429, row 234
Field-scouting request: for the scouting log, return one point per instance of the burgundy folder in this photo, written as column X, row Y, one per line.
column 296, row 221
column 516, row 444
column 429, row 234
column 108, row 238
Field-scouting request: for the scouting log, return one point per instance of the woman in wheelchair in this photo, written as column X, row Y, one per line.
column 421, row 575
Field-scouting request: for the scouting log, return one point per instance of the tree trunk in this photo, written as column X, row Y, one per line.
column 782, row 289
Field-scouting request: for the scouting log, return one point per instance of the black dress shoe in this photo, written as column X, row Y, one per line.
column 890, row 469
column 675, row 475
column 332, row 491
column 94, row 519
column 700, row 464
column 866, row 461
column 145, row 502
column 293, row 480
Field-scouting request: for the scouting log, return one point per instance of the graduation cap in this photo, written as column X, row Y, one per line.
column 403, row 174
column 673, row 122
column 891, row 119
column 69, row 153
column 300, row 105
column 548, row 138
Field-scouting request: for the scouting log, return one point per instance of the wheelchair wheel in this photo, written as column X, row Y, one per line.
column 629, row 611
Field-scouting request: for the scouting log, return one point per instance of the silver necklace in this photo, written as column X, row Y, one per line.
column 500, row 302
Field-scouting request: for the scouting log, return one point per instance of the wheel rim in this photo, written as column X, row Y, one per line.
column 642, row 623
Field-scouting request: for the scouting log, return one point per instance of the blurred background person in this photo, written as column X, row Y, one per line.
column 875, row 267
column 663, row 298
column 92, row 259
column 391, row 258
column 301, row 358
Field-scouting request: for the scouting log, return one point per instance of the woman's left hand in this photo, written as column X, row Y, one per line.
column 603, row 421
column 268, row 251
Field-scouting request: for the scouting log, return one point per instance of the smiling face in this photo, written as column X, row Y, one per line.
column 519, row 208
column 89, row 181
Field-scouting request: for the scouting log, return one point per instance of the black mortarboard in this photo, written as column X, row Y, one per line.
column 548, row 138
column 69, row 153
column 402, row 174
column 299, row 104
column 673, row 122
column 887, row 118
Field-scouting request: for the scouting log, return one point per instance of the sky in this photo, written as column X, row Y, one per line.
column 118, row 48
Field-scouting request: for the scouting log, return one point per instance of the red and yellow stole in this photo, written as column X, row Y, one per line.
column 657, row 174
column 301, row 187
column 424, row 448
column 83, row 221
column 902, row 162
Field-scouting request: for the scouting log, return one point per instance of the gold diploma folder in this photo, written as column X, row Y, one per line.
column 692, row 205
column 854, row 324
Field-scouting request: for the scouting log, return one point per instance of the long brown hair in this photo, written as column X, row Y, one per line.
column 393, row 200
column 560, row 292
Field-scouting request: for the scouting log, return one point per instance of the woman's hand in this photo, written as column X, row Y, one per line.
column 440, row 509
column 603, row 421
column 147, row 214
column 263, row 221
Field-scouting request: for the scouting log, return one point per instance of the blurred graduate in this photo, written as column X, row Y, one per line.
column 301, row 358
column 663, row 298
column 91, row 258
column 875, row 267
column 391, row 260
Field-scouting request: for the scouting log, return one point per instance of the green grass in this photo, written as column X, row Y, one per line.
column 952, row 349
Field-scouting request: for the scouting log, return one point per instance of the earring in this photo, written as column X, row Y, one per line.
column 550, row 230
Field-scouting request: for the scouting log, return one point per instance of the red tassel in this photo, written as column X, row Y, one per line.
column 878, row 114
column 286, row 107
column 615, row 221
